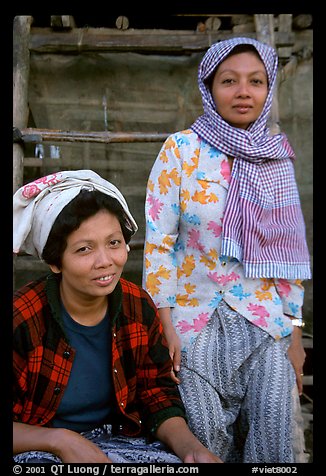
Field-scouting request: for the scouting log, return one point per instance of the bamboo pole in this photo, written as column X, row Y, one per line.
column 33, row 135
column 21, row 33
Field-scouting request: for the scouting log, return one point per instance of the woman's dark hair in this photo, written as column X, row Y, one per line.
column 242, row 48
column 84, row 205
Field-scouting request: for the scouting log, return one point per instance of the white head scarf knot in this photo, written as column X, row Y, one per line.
column 36, row 206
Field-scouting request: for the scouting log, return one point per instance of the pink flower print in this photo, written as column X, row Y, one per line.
column 224, row 278
column 200, row 322
column 30, row 190
column 260, row 322
column 258, row 310
column 184, row 326
column 34, row 188
column 217, row 229
column 225, row 170
column 156, row 207
column 193, row 240
column 283, row 287
column 213, row 276
column 49, row 179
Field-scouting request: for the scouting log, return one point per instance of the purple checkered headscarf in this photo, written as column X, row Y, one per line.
column 263, row 225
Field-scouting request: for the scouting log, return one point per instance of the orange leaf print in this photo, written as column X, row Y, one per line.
column 169, row 144
column 174, row 176
column 188, row 168
column 150, row 185
column 152, row 284
column 212, row 198
column 267, row 283
column 190, row 288
column 168, row 241
column 204, row 184
column 213, row 254
column 200, row 197
column 164, row 182
column 163, row 272
column 194, row 302
column 207, row 262
column 163, row 157
column 298, row 282
column 188, row 265
column 182, row 299
column 183, row 206
column 185, row 194
column 263, row 296
column 149, row 248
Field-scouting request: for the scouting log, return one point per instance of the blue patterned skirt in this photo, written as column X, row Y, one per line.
column 236, row 384
column 120, row 449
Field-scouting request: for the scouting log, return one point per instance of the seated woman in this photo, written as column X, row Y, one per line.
column 92, row 371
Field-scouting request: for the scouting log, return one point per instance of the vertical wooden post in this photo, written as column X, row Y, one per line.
column 264, row 24
column 21, row 32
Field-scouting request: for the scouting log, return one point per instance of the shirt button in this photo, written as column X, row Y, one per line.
column 115, row 371
column 114, row 334
column 221, row 291
column 66, row 354
column 57, row 390
column 223, row 263
column 122, row 404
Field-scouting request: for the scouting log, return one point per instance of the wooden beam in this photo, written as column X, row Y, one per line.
column 78, row 40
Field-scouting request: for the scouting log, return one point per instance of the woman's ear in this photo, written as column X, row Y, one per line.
column 55, row 269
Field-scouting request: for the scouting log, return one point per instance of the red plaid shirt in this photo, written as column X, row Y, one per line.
column 145, row 393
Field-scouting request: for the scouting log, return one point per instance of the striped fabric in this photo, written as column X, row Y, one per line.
column 263, row 224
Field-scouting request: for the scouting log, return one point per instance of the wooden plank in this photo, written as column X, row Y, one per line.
column 21, row 31
column 77, row 40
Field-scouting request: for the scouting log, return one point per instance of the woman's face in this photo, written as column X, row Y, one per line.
column 240, row 88
column 94, row 258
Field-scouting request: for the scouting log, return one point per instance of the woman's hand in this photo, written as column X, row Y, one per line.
column 71, row 447
column 297, row 356
column 175, row 433
column 173, row 341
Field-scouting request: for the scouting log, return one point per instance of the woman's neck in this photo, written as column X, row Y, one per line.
column 85, row 312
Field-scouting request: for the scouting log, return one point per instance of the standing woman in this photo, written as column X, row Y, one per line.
column 225, row 255
column 92, row 372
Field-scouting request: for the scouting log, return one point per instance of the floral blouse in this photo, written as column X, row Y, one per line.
column 183, row 267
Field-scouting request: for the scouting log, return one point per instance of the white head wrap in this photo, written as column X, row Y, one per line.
column 36, row 206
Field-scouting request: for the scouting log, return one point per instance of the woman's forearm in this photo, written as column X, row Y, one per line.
column 33, row 438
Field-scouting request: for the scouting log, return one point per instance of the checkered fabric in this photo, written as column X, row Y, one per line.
column 263, row 225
